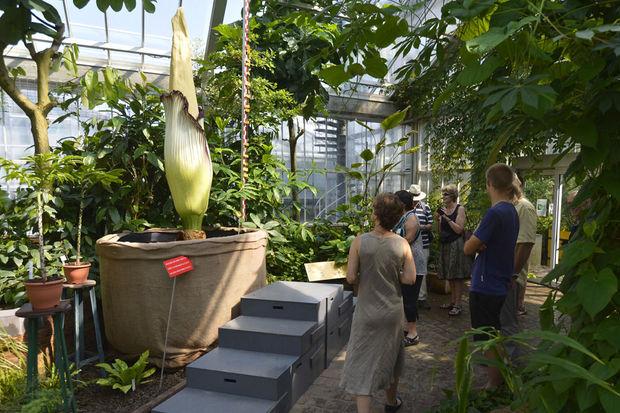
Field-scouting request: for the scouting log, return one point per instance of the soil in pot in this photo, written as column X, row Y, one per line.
column 44, row 295
column 169, row 236
column 76, row 273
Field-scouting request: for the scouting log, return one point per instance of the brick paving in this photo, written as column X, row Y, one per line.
column 429, row 366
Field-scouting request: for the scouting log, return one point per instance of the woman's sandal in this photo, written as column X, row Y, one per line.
column 411, row 341
column 456, row 310
column 446, row 306
column 391, row 408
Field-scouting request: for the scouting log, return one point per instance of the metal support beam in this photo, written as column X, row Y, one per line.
column 557, row 219
column 217, row 18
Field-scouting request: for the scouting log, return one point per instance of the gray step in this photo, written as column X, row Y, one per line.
column 344, row 330
column 337, row 338
column 243, row 373
column 346, row 307
column 295, row 301
column 307, row 369
column 190, row 400
column 271, row 335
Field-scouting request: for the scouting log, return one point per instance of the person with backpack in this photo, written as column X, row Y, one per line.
column 409, row 228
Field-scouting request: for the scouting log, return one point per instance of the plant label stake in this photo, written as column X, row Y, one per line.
column 178, row 266
column 175, row 267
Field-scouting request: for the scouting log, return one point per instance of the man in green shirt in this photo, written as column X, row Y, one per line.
column 515, row 299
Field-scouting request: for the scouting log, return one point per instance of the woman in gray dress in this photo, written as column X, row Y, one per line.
column 378, row 262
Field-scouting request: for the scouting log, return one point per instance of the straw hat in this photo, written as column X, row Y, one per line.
column 417, row 193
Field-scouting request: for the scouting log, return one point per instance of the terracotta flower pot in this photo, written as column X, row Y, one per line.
column 76, row 273
column 44, row 295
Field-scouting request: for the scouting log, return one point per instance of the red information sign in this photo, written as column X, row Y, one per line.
column 178, row 266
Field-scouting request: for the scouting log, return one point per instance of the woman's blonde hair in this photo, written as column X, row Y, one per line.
column 452, row 191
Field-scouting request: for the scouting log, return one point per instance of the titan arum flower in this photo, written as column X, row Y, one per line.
column 186, row 154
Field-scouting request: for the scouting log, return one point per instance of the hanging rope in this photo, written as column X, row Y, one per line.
column 245, row 101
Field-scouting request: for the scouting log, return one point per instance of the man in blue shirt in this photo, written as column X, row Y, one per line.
column 494, row 240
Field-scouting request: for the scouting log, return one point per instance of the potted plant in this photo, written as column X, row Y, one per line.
column 41, row 173
column 228, row 262
column 86, row 176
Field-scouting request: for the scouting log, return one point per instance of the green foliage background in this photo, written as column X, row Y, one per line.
column 511, row 79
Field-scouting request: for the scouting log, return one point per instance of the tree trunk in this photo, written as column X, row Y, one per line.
column 39, row 128
column 293, row 136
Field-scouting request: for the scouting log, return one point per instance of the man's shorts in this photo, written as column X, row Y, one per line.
column 485, row 310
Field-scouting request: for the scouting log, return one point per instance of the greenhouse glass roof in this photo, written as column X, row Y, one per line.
column 136, row 40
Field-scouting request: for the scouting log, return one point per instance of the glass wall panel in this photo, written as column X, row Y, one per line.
column 328, row 143
column 87, row 23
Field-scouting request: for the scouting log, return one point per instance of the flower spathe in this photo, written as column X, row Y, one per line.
column 187, row 160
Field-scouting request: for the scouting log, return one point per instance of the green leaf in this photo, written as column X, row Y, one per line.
column 124, row 388
column 497, row 35
column 596, row 289
column 463, row 376
column 43, row 29
column 116, row 218
column 356, row 69
column 130, row 4
column 14, row 23
column 584, row 131
column 394, row 119
column 570, row 367
column 509, row 100
column 609, row 400
column 80, row 4
column 334, row 75
column 552, row 337
column 367, row 155
column 585, row 34
column 48, row 11
column 528, row 97
column 475, row 73
column 573, row 253
column 609, row 330
column 376, row 66
column 149, row 6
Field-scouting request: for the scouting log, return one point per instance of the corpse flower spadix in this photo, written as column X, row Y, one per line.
column 186, row 154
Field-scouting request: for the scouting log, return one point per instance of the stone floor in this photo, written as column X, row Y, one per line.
column 428, row 366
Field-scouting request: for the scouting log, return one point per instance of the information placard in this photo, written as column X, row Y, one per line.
column 178, row 266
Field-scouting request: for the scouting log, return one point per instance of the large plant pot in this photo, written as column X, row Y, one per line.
column 44, row 295
column 76, row 273
column 136, row 290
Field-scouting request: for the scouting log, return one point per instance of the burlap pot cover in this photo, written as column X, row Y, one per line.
column 136, row 290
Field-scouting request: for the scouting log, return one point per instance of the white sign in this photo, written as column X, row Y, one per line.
column 541, row 207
